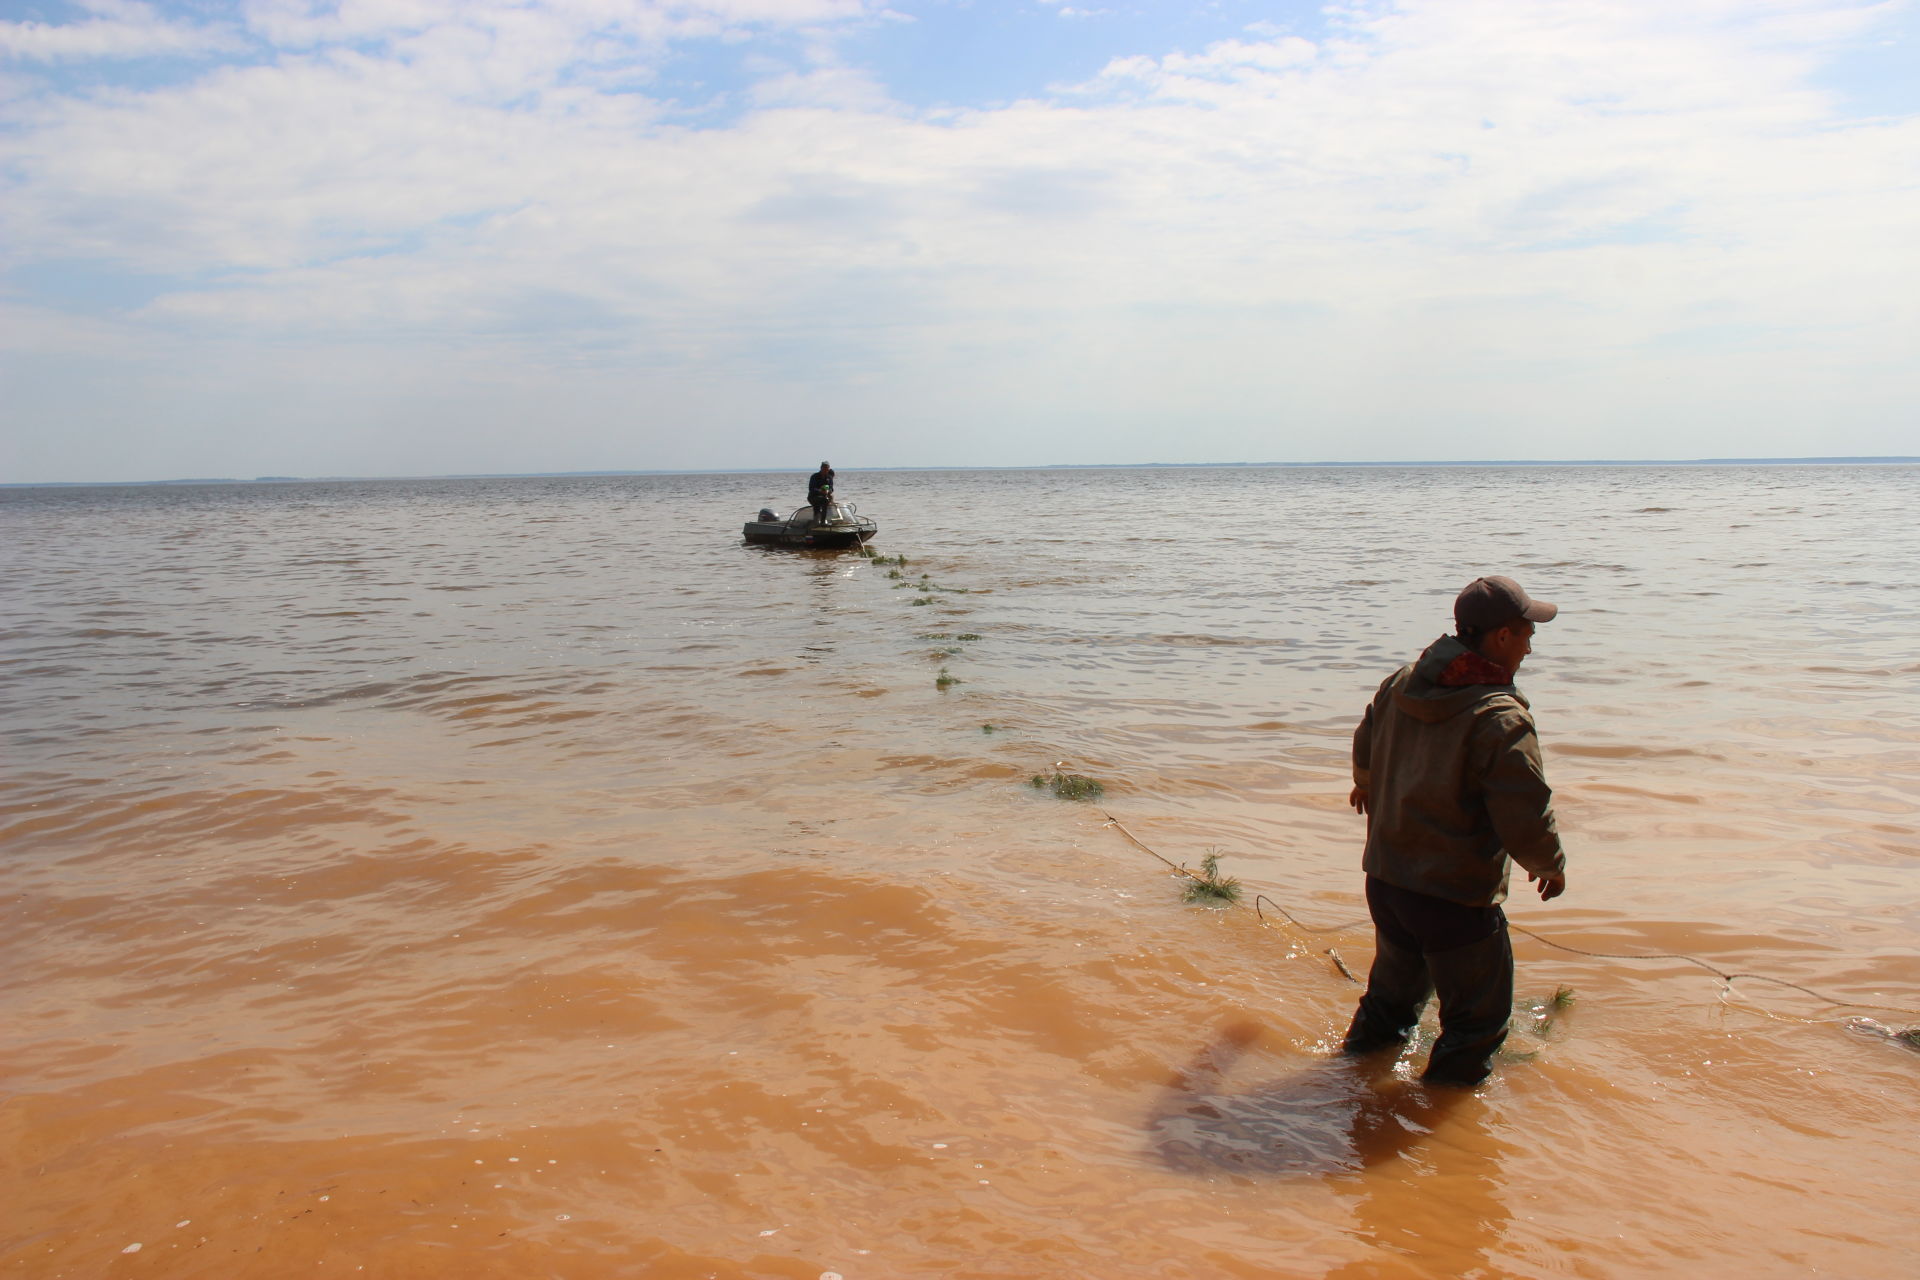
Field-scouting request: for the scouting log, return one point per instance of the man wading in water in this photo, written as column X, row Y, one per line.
column 1446, row 767
column 820, row 492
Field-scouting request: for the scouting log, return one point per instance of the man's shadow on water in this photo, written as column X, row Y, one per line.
column 1418, row 1162
column 1331, row 1116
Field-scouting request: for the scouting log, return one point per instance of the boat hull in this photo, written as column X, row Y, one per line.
column 778, row 533
column 844, row 526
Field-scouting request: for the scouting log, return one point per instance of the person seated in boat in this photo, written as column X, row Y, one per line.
column 820, row 492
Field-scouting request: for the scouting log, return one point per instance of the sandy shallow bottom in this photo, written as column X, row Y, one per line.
column 435, row 940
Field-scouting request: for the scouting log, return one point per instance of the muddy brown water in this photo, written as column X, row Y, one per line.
column 525, row 878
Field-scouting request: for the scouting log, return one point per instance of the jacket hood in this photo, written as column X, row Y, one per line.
column 1422, row 696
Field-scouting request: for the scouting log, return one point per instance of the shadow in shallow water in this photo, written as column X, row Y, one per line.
column 1328, row 1116
column 1420, row 1165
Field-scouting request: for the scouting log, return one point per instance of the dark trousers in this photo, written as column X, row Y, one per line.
column 1425, row 946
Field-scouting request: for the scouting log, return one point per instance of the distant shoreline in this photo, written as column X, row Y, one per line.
column 1051, row 466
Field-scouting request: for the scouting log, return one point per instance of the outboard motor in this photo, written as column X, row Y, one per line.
column 767, row 516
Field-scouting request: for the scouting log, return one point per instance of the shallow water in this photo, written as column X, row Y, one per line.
column 525, row 877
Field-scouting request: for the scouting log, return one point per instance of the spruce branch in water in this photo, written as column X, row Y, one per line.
column 1209, row 885
column 1068, row 786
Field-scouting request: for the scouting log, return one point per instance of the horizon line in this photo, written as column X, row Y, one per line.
column 1864, row 460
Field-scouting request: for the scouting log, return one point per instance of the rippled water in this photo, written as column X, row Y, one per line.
column 525, row 877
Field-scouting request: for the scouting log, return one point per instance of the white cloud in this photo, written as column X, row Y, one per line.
column 835, row 88
column 313, row 23
column 1621, row 218
column 123, row 30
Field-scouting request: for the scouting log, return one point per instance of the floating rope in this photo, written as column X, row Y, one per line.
column 1258, row 898
column 1909, row 1036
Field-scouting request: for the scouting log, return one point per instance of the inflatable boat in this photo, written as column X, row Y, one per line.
column 843, row 527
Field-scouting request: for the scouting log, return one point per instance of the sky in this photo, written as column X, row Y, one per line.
column 243, row 238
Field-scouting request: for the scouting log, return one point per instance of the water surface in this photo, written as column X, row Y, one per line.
column 526, row 877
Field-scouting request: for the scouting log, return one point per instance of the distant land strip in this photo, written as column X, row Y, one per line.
column 1048, row 466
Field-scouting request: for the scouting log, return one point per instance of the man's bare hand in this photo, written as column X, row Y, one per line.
column 1552, row 885
column 1358, row 799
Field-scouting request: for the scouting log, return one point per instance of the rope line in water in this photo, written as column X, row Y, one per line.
column 1727, row 979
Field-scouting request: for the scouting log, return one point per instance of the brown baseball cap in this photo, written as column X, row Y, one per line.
column 1490, row 603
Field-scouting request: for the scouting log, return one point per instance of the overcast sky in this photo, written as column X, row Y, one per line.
column 389, row 237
